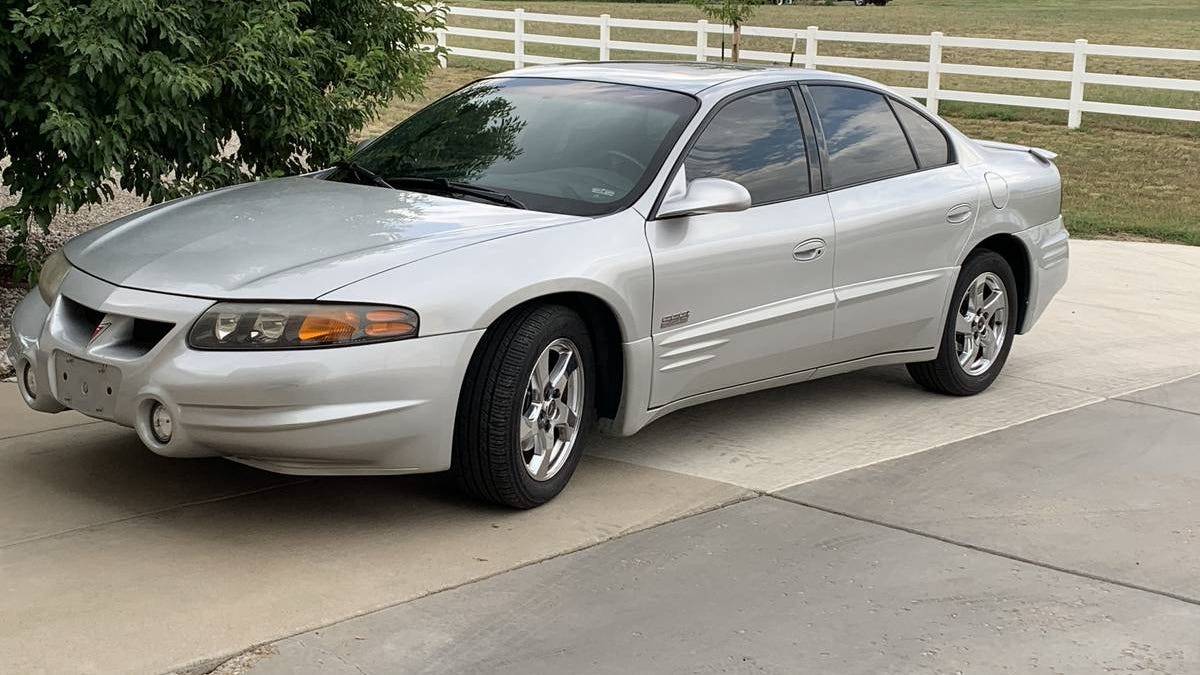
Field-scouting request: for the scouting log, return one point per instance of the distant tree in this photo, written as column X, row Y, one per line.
column 732, row 13
column 150, row 93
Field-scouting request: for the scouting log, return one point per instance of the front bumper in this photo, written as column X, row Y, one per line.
column 364, row 409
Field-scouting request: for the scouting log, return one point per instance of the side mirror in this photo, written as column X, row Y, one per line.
column 364, row 143
column 705, row 195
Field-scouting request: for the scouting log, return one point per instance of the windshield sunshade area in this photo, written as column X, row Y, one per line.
column 563, row 146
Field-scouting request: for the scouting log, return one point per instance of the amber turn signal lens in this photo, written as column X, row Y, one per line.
column 385, row 315
column 388, row 323
column 332, row 326
column 388, row 329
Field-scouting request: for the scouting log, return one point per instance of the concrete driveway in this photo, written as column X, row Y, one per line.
column 115, row 560
column 1070, row 544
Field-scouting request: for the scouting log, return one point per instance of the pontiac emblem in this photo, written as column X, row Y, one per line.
column 99, row 330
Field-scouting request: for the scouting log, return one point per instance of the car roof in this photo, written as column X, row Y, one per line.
column 688, row 77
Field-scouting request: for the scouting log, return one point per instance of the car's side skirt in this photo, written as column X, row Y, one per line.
column 628, row 421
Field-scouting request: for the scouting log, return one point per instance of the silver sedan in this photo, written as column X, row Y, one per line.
column 545, row 252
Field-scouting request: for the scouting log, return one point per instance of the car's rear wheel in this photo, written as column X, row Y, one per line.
column 979, row 329
column 525, row 408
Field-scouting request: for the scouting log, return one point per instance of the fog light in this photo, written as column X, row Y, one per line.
column 30, row 381
column 160, row 423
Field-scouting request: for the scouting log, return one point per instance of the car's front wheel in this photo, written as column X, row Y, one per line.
column 525, row 407
column 979, row 329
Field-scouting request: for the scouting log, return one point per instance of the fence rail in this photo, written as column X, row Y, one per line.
column 806, row 53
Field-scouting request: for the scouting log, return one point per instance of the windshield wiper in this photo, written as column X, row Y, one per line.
column 445, row 186
column 364, row 174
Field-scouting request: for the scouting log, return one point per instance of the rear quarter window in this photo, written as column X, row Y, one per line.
column 930, row 143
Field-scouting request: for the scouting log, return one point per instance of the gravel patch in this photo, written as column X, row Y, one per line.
column 9, row 297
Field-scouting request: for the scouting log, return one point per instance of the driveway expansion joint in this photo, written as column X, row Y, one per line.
column 991, row 551
column 51, row 430
column 1156, row 405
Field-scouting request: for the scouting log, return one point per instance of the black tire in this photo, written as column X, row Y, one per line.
column 944, row 374
column 487, row 462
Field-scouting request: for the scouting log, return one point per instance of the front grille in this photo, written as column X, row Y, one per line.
column 78, row 321
column 125, row 337
column 147, row 333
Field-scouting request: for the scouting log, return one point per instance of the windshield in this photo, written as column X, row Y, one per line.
column 563, row 146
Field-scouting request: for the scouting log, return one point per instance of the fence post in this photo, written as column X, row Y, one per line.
column 1074, row 112
column 702, row 40
column 603, row 37
column 935, row 71
column 810, row 48
column 441, row 43
column 518, row 38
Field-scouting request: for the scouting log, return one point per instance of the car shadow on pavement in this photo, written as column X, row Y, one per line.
column 66, row 479
column 779, row 437
column 80, row 477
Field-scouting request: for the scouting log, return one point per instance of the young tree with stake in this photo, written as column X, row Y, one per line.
column 733, row 13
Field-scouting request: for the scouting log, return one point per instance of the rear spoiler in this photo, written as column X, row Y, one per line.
column 1040, row 153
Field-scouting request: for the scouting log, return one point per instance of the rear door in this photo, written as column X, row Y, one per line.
column 740, row 297
column 903, row 209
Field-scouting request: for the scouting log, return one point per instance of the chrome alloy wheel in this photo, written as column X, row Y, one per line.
column 549, row 423
column 981, row 325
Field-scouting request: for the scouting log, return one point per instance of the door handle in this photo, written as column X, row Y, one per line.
column 810, row 249
column 959, row 213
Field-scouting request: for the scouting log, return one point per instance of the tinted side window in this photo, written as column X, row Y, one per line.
column 756, row 141
column 862, row 136
column 929, row 141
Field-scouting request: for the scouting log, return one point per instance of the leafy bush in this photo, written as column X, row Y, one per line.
column 151, row 93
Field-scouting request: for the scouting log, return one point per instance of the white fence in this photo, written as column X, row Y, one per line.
column 806, row 42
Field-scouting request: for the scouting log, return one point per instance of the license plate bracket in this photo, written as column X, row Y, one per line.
column 86, row 386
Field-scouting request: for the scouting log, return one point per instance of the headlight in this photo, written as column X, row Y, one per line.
column 54, row 270
column 235, row 325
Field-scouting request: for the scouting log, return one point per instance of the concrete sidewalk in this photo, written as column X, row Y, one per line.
column 1069, row 544
column 115, row 560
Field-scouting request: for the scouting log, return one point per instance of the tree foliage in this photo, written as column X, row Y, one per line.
column 734, row 13
column 151, row 93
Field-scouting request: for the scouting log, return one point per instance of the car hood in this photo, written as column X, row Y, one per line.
column 288, row 239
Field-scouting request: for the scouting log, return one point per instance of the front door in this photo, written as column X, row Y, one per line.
column 741, row 297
